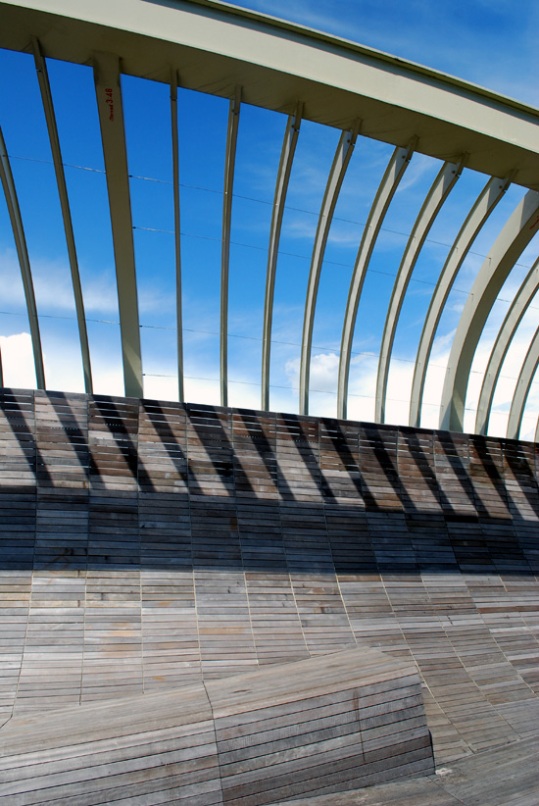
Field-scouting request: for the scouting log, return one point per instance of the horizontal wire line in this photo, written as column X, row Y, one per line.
column 295, row 389
column 380, row 272
column 272, row 386
column 262, row 249
column 326, row 349
column 246, row 198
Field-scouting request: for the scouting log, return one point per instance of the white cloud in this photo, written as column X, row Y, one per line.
column 363, row 373
column 440, row 347
column 63, row 370
column 53, row 286
column 420, row 168
column 346, row 234
column 18, row 361
column 324, row 368
column 53, row 289
column 202, row 385
column 160, row 387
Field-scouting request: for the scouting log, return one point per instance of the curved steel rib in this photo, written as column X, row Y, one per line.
column 281, row 187
column 230, row 161
column 399, row 161
column 50, row 117
column 336, row 176
column 438, row 193
column 177, row 237
column 523, row 387
column 505, row 336
column 517, row 233
column 476, row 218
column 6, row 177
column 109, row 104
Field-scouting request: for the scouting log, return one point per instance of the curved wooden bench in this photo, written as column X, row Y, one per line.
column 327, row 724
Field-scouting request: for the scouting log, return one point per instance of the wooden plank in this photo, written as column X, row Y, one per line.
column 147, row 544
column 175, row 740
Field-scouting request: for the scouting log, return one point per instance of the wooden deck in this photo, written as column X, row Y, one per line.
column 321, row 725
column 146, row 546
column 505, row 776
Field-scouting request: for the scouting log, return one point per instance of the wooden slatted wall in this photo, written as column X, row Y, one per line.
column 146, row 545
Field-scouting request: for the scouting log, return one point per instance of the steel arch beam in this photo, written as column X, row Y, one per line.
column 438, row 193
column 288, row 151
column 217, row 47
column 177, row 236
column 399, row 161
column 109, row 104
column 517, row 233
column 522, row 388
column 12, row 201
column 476, row 218
column 505, row 336
column 230, row 162
column 341, row 160
column 50, row 117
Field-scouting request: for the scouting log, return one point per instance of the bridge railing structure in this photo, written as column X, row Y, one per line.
column 302, row 78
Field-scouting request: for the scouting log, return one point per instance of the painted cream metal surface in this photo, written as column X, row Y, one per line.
column 109, row 104
column 440, row 189
column 507, row 331
column 394, row 172
column 281, row 186
column 336, row 176
column 50, row 117
column 217, row 47
column 230, row 160
column 247, row 58
column 10, row 192
column 531, row 362
column 177, row 239
column 511, row 242
column 478, row 215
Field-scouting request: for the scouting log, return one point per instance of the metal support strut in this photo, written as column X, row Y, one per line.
column 336, row 176
column 438, row 193
column 506, row 333
column 177, row 237
column 50, row 117
column 522, row 388
column 281, row 187
column 399, row 161
column 476, row 218
column 6, row 177
column 109, row 104
column 517, row 233
column 230, row 161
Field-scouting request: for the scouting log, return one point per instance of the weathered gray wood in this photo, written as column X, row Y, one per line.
column 145, row 545
column 154, row 743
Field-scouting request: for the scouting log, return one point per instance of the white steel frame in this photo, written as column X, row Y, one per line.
column 210, row 46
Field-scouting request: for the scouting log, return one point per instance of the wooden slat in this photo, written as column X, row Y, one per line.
column 294, row 728
column 146, row 545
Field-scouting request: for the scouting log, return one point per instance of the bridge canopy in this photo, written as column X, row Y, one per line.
column 205, row 203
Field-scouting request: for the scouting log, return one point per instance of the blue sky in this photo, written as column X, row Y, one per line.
column 489, row 43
